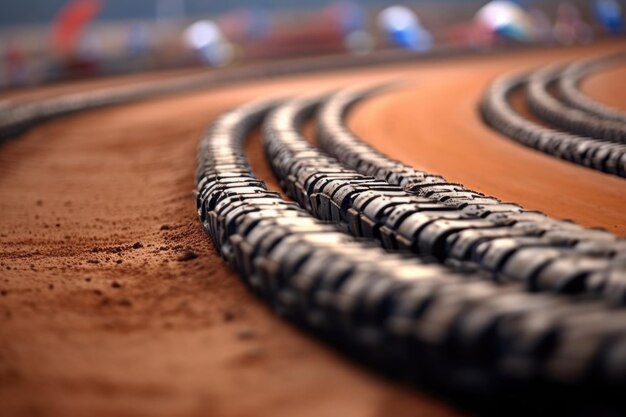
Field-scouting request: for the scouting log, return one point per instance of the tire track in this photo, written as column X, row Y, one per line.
column 587, row 139
column 573, row 76
column 413, row 318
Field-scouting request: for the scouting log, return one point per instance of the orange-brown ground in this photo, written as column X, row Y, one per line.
column 608, row 86
column 101, row 312
column 435, row 126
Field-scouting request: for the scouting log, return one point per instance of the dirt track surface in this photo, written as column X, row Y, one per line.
column 113, row 301
column 19, row 95
column 608, row 86
column 434, row 125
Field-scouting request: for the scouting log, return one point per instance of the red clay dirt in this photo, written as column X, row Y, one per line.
column 434, row 125
column 608, row 86
column 114, row 302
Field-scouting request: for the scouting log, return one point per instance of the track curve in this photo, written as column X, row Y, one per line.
column 599, row 124
column 498, row 111
column 150, row 331
column 593, row 86
column 85, row 335
column 473, row 224
column 408, row 126
column 387, row 308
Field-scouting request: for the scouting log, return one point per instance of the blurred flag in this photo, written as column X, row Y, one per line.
column 206, row 39
column 69, row 23
column 609, row 14
column 507, row 19
column 402, row 26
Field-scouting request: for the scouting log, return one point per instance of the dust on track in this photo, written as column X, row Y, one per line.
column 114, row 302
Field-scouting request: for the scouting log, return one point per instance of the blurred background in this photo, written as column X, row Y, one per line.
column 51, row 40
